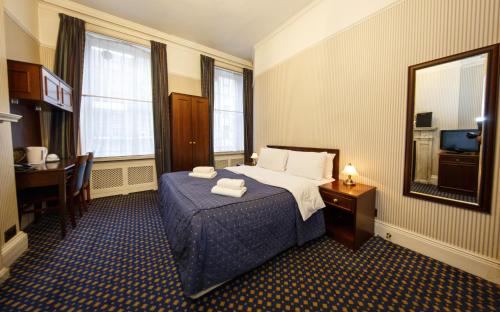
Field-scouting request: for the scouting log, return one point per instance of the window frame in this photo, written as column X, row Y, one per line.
column 225, row 153
column 124, row 157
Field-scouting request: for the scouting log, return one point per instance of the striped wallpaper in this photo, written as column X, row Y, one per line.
column 349, row 92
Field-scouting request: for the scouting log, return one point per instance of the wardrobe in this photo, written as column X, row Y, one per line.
column 190, row 131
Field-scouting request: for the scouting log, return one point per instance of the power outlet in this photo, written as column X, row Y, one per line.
column 11, row 232
column 388, row 236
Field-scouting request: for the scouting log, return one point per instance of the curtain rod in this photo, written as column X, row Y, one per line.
column 216, row 57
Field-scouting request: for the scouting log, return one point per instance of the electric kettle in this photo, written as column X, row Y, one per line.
column 36, row 155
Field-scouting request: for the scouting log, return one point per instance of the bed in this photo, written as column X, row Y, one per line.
column 215, row 238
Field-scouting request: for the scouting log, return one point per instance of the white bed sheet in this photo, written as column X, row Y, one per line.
column 305, row 191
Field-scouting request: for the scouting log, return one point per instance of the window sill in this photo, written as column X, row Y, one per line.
column 228, row 153
column 123, row 158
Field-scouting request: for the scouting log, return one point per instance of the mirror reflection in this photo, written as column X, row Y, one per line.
column 449, row 112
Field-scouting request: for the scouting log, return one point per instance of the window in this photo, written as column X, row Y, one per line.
column 116, row 116
column 228, row 111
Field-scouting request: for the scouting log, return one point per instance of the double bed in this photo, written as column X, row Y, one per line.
column 215, row 238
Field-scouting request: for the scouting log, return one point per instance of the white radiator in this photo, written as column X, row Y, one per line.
column 227, row 160
column 122, row 177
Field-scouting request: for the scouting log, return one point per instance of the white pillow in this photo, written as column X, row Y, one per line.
column 273, row 159
column 329, row 166
column 309, row 165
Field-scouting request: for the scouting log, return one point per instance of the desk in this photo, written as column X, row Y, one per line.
column 49, row 174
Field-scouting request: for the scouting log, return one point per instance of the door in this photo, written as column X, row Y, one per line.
column 201, row 129
column 182, row 151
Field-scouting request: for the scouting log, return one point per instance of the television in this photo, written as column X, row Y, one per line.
column 463, row 140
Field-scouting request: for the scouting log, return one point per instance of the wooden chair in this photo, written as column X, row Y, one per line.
column 86, row 179
column 37, row 196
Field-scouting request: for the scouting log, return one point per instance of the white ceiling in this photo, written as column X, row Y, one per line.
column 231, row 26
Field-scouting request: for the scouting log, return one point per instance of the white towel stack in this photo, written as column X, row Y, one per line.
column 203, row 172
column 230, row 187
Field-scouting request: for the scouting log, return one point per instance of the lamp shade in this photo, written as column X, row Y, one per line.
column 350, row 170
column 254, row 156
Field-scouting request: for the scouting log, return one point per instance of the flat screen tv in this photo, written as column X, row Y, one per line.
column 463, row 140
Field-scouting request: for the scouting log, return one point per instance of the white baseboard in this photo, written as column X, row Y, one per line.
column 4, row 274
column 14, row 248
column 487, row 268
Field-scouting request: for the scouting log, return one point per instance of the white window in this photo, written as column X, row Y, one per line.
column 228, row 111
column 116, row 117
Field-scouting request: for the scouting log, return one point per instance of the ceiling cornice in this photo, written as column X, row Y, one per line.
column 112, row 22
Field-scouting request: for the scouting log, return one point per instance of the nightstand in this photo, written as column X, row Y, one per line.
column 349, row 212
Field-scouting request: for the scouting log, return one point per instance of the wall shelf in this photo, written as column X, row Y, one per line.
column 6, row 117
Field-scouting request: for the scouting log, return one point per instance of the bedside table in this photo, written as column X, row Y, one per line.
column 349, row 212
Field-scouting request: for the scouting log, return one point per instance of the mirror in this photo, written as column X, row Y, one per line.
column 450, row 130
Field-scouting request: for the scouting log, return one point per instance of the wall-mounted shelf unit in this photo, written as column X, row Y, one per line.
column 33, row 82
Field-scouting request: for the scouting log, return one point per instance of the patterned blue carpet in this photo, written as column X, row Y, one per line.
column 118, row 258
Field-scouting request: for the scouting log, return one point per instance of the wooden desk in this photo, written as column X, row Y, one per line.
column 49, row 174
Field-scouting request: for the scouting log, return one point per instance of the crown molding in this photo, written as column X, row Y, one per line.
column 319, row 40
column 18, row 22
column 287, row 23
column 121, row 25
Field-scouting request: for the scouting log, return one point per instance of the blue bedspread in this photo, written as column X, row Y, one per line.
column 216, row 238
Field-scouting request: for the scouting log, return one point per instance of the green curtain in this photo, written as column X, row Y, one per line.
column 207, row 90
column 161, row 112
column 248, row 112
column 69, row 66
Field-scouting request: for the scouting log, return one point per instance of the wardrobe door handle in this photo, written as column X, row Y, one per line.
column 194, row 142
column 190, row 142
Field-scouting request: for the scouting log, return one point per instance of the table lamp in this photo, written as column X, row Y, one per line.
column 350, row 171
column 254, row 158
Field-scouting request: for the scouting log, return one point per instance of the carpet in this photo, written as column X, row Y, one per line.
column 118, row 258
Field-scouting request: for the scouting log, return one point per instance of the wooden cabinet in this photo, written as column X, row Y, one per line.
column 458, row 173
column 66, row 96
column 349, row 213
column 33, row 82
column 190, row 128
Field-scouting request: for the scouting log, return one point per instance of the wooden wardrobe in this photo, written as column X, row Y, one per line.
column 190, row 131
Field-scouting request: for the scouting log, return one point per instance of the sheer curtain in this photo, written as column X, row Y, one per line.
column 228, row 111
column 116, row 110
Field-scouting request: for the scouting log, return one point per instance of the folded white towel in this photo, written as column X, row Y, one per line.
column 203, row 169
column 233, row 184
column 203, row 175
column 228, row 192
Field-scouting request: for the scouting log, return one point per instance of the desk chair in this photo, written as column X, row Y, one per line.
column 86, row 179
column 36, row 196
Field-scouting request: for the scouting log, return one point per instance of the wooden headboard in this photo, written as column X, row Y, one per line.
column 335, row 172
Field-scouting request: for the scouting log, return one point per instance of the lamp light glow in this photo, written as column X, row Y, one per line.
column 350, row 171
column 254, row 158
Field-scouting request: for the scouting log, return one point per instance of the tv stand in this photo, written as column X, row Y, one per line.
column 458, row 172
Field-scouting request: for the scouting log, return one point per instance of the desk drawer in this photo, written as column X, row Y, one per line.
column 337, row 200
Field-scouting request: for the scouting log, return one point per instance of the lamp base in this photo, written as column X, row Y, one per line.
column 349, row 181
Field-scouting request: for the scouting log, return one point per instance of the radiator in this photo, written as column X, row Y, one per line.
column 228, row 160
column 122, row 177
